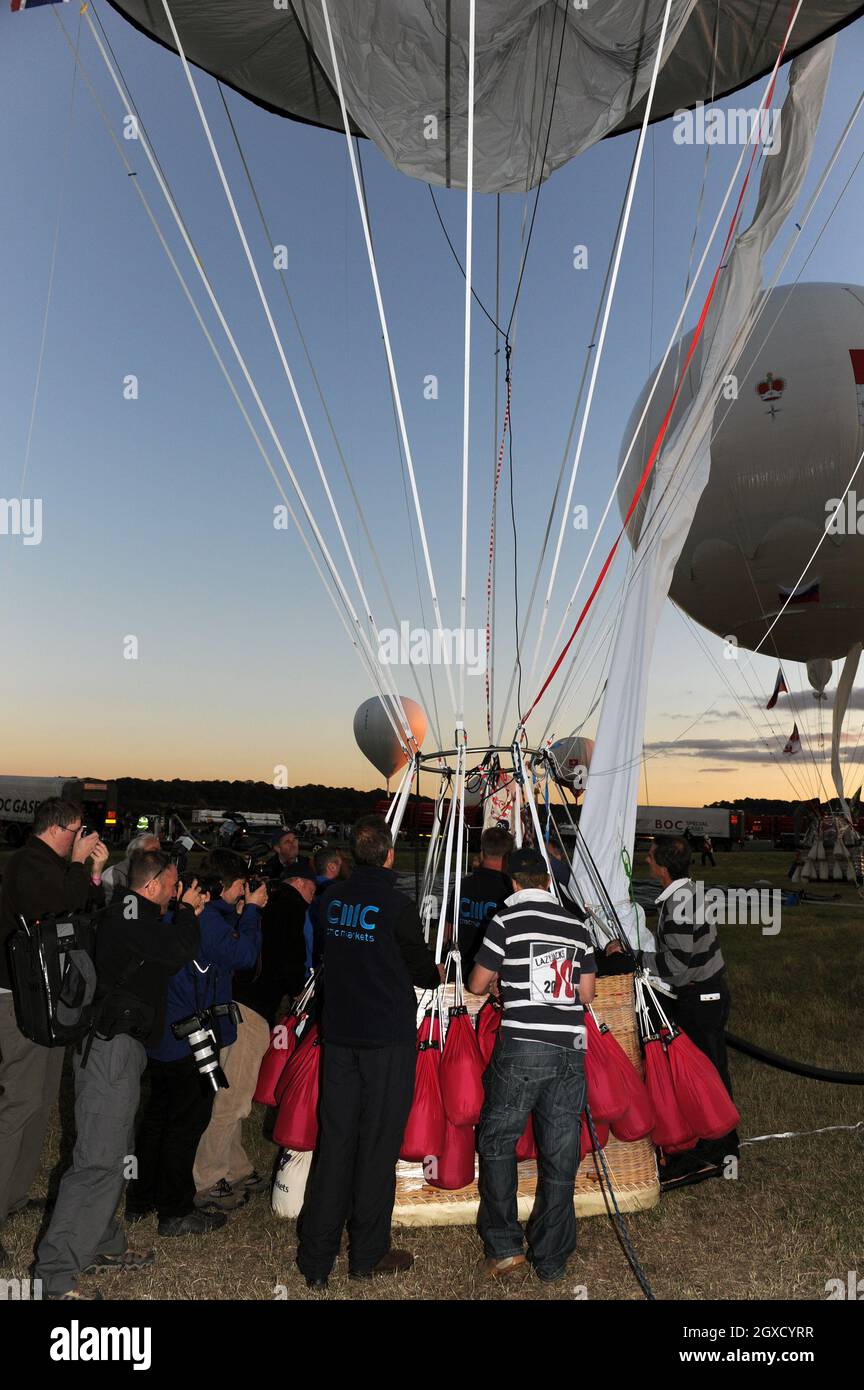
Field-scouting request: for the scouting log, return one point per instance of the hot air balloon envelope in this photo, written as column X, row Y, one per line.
column 376, row 737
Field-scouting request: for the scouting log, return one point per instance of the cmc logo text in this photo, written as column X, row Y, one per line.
column 355, row 915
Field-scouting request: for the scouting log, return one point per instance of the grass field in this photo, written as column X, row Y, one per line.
column 790, row 1222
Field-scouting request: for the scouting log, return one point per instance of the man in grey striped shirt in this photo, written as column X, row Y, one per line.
column 543, row 962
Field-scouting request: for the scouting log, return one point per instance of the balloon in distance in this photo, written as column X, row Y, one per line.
column 376, row 738
column 788, row 432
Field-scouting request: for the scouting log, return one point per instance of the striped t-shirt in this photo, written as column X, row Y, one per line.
column 539, row 951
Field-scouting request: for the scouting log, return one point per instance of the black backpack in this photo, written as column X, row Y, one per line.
column 54, row 977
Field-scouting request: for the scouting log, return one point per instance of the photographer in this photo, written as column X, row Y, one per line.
column 50, row 874
column 115, row 880
column 181, row 1101
column 137, row 951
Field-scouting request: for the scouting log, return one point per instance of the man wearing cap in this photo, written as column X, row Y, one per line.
column 373, row 956
column 543, row 961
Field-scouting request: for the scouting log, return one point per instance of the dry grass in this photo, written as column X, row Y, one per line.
column 788, row 1224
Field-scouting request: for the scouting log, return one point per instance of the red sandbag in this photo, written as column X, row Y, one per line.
column 636, row 1120
column 703, row 1099
column 311, row 1031
column 487, row 1024
column 526, row 1148
column 602, row 1131
column 283, row 1040
column 454, row 1166
column 461, row 1073
column 671, row 1128
column 608, row 1096
column 425, row 1130
column 296, row 1124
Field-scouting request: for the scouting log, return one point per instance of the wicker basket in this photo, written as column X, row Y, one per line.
column 632, row 1167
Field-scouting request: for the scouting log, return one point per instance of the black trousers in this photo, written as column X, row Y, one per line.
column 365, row 1097
column 704, row 1022
column 176, row 1115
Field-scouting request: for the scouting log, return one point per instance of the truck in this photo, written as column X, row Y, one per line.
column 725, row 827
column 19, row 797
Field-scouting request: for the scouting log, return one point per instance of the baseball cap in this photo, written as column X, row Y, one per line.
column 526, row 861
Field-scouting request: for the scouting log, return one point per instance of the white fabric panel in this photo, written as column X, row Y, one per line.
column 841, row 703
column 608, row 820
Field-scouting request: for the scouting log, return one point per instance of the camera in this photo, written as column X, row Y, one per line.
column 198, row 1031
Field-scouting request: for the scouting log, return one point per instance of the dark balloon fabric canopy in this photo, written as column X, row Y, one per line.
column 551, row 78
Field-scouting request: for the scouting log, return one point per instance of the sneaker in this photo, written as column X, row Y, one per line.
column 221, row 1197
column 196, row 1223
column 130, row 1261
column 394, row 1262
column 499, row 1269
column 251, row 1184
column 552, row 1276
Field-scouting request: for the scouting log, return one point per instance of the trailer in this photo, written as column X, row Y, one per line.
column 726, row 828
column 19, row 797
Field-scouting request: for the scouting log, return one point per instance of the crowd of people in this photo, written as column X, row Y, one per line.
column 192, row 969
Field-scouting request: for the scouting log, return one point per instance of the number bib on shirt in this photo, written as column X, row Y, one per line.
column 552, row 974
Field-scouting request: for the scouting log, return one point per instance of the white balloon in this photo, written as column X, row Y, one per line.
column 377, row 739
column 780, row 459
column 571, row 754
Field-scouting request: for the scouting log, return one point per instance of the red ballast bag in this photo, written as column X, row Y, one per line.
column 461, row 1073
column 425, row 1130
column 283, row 1041
column 454, row 1166
column 703, row 1099
column 608, row 1096
column 487, row 1024
column 296, row 1124
column 637, row 1119
column 671, row 1128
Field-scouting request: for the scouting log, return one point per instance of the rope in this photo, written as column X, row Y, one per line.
column 598, row 357
column 154, row 164
column 802, row 1133
column 664, row 425
column 490, row 583
column 773, row 1059
column 382, row 317
column 466, row 398
column 406, row 736
column 618, row 1223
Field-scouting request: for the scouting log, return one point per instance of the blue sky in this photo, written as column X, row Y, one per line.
column 158, row 512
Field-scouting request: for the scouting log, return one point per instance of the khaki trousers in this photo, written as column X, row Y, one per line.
column 220, row 1152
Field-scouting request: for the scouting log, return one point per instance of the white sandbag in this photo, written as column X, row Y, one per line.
column 289, row 1184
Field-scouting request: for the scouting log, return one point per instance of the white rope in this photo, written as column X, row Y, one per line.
column 660, row 517
column 385, row 332
column 406, row 736
column 672, row 342
column 166, row 192
column 457, row 795
column 598, row 356
column 803, row 1133
column 213, row 347
column 466, row 400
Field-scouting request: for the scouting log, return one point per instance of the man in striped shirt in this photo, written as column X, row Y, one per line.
column 543, row 962
column 689, row 963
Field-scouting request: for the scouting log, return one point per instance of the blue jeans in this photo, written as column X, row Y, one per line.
column 525, row 1078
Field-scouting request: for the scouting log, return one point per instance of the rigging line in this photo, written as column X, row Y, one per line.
column 432, row 688
column 122, row 91
column 466, row 403
column 478, row 301
column 64, row 165
column 515, row 572
column 289, row 377
column 564, row 457
column 598, row 356
column 490, row 576
column 808, row 734
column 524, row 259
column 391, row 365
column 212, row 344
column 314, row 373
column 490, row 645
column 766, row 97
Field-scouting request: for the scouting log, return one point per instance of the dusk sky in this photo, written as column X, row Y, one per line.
column 157, row 512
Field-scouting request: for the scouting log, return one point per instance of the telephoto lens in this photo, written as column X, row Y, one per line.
column 200, row 1039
